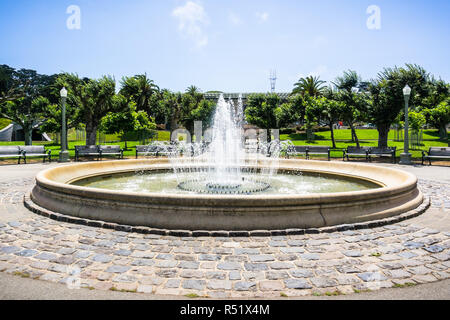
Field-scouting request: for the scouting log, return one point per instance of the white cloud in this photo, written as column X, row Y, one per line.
column 262, row 16
column 192, row 18
column 234, row 19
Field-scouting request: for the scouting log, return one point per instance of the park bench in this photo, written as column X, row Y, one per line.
column 11, row 152
column 297, row 150
column 318, row 150
column 87, row 151
column 149, row 150
column 356, row 152
column 383, row 152
column 154, row 150
column 114, row 151
column 35, row 151
column 441, row 153
column 308, row 150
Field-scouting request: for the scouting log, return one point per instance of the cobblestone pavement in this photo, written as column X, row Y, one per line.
column 352, row 261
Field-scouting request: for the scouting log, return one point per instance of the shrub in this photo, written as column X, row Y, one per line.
column 287, row 130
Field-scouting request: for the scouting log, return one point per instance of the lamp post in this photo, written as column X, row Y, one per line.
column 405, row 157
column 64, row 153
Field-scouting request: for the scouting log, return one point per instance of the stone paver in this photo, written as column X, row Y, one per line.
column 225, row 267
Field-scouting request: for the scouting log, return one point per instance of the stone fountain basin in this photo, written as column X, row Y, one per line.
column 398, row 194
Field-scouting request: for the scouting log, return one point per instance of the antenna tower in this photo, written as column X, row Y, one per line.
column 273, row 80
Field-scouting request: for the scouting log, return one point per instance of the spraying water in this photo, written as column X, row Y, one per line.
column 224, row 166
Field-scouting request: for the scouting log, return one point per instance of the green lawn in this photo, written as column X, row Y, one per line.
column 367, row 137
column 4, row 123
column 366, row 134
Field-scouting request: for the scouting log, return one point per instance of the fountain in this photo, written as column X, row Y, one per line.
column 219, row 168
column 222, row 186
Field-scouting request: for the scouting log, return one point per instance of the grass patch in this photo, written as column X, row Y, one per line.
column 21, row 274
column 122, row 290
column 405, row 285
column 192, row 295
column 359, row 291
column 376, row 254
column 334, row 293
column 284, row 295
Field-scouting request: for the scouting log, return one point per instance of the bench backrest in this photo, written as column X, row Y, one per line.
column 354, row 149
column 33, row 149
column 86, row 149
column 383, row 150
column 6, row 150
column 142, row 148
column 439, row 151
column 110, row 149
column 319, row 149
column 150, row 148
column 299, row 149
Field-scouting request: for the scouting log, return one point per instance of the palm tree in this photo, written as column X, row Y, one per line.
column 348, row 81
column 311, row 85
column 192, row 90
column 139, row 89
column 349, row 87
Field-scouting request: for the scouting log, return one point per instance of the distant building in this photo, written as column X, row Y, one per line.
column 14, row 132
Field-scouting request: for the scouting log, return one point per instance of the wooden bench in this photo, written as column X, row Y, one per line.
column 318, row 150
column 356, row 152
column 441, row 153
column 114, row 151
column 383, row 152
column 297, row 150
column 36, row 151
column 11, row 152
column 154, row 150
column 308, row 150
column 87, row 151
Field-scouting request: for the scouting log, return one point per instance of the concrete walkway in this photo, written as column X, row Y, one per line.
column 412, row 256
column 17, row 288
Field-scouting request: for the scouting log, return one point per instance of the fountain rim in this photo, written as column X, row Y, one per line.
column 405, row 182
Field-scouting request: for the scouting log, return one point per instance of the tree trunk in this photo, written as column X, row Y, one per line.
column 354, row 136
column 28, row 132
column 91, row 134
column 173, row 124
column 443, row 132
column 332, row 135
column 383, row 131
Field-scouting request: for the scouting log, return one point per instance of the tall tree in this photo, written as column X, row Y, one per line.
column 95, row 99
column 129, row 123
column 439, row 118
column 171, row 106
column 22, row 101
column 313, row 86
column 266, row 111
column 349, row 92
column 12, row 84
column 387, row 99
column 195, row 108
column 142, row 91
column 328, row 111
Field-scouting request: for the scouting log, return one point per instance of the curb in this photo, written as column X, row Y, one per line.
column 30, row 205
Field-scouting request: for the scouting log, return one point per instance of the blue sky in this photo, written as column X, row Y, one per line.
column 227, row 45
